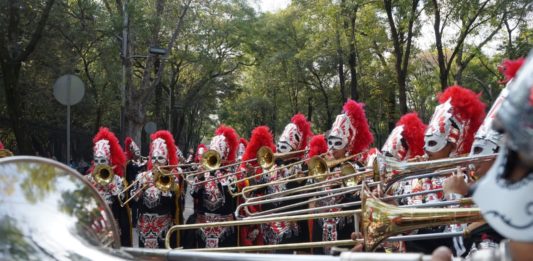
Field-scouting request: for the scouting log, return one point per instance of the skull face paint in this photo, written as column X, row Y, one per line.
column 102, row 152
column 159, row 152
column 342, row 132
column 289, row 139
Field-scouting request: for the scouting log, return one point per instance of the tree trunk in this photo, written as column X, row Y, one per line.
column 15, row 107
column 340, row 65
column 352, row 59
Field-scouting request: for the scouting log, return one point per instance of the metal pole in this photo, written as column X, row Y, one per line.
column 68, row 120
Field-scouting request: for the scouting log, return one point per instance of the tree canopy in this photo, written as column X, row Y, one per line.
column 226, row 62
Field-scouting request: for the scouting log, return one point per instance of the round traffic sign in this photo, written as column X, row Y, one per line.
column 69, row 89
column 150, row 127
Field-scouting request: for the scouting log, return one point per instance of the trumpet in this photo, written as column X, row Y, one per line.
column 379, row 222
column 164, row 180
column 103, row 174
column 5, row 153
column 384, row 167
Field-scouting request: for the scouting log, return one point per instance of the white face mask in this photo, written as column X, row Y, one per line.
column 219, row 144
column 159, row 152
column 507, row 207
column 342, row 132
column 102, row 152
column 394, row 146
column 439, row 128
column 289, row 139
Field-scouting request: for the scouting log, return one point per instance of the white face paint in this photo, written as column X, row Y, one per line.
column 241, row 150
column 102, row 152
column 506, row 206
column 219, row 144
column 289, row 139
column 487, row 141
column 341, row 133
column 159, row 152
column 393, row 146
column 135, row 149
column 440, row 129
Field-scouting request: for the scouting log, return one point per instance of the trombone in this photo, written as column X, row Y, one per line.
column 318, row 169
column 164, row 180
column 385, row 168
column 103, row 174
column 379, row 221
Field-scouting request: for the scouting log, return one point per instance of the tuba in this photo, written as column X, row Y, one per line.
column 103, row 174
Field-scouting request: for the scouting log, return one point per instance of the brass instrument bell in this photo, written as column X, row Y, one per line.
column 103, row 174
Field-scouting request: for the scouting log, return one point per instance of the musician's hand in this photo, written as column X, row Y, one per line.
column 358, row 245
column 455, row 184
column 442, row 254
column 419, row 158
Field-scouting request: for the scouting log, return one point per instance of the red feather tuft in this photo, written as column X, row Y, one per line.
column 305, row 127
column 317, row 145
column 118, row 159
column 171, row 147
column 467, row 107
column 509, row 68
column 127, row 151
column 413, row 133
column 232, row 140
column 1, row 146
column 198, row 157
column 243, row 141
column 261, row 136
column 357, row 116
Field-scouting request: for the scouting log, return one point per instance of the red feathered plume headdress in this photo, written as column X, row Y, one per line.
column 1, row 146
column 509, row 68
column 127, row 150
column 117, row 159
column 261, row 136
column 363, row 137
column 172, row 157
column 231, row 143
column 413, row 133
column 317, row 145
column 305, row 128
column 243, row 141
column 468, row 110
column 199, row 152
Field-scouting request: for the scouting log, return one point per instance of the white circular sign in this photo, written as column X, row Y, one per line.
column 69, row 89
column 150, row 127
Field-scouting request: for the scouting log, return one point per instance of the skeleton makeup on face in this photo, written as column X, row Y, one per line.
column 159, row 152
column 442, row 129
column 488, row 141
column 341, row 133
column 240, row 151
column 135, row 149
column 102, row 152
column 289, row 139
column 219, row 144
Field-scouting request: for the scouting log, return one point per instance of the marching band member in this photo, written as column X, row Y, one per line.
column 107, row 152
column 486, row 141
column 135, row 165
column 349, row 135
column 505, row 193
column 242, row 148
column 450, row 133
column 157, row 209
column 295, row 137
column 261, row 137
column 214, row 200
column 405, row 142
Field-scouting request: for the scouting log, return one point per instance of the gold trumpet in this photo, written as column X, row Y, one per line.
column 5, row 153
column 164, row 179
column 389, row 171
column 103, row 174
column 379, row 221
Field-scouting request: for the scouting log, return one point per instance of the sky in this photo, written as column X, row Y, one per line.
column 269, row 5
column 425, row 41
